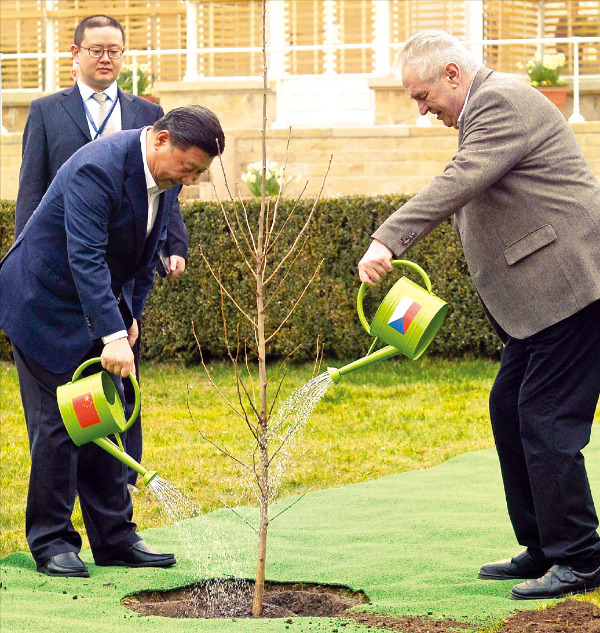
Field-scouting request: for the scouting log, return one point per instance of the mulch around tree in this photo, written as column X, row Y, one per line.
column 232, row 599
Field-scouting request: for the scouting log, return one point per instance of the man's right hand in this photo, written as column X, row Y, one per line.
column 117, row 358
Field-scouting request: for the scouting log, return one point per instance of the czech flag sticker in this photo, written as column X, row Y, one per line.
column 404, row 314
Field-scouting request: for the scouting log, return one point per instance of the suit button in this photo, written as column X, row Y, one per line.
column 88, row 320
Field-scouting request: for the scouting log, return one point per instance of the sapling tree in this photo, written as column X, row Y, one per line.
column 269, row 245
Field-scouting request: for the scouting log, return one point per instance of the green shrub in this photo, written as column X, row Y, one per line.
column 339, row 234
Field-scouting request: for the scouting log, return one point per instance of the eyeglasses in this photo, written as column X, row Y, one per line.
column 98, row 51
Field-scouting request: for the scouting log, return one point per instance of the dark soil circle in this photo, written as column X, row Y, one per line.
column 232, row 598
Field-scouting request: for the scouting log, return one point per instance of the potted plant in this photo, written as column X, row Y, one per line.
column 144, row 80
column 544, row 74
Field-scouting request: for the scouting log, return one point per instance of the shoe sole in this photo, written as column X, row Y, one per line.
column 122, row 563
column 67, row 574
column 516, row 596
column 498, row 577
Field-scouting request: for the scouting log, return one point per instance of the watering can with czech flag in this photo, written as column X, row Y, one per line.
column 407, row 320
column 91, row 410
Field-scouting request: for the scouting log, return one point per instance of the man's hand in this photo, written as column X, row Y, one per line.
column 375, row 263
column 132, row 333
column 117, row 357
column 176, row 265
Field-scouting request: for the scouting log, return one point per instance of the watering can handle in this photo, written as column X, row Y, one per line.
column 363, row 287
column 134, row 382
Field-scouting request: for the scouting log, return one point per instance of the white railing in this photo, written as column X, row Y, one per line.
column 277, row 57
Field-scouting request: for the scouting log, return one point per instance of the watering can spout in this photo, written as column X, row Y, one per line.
column 375, row 357
column 115, row 451
column 334, row 374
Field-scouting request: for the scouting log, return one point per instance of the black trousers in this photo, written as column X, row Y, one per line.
column 542, row 406
column 59, row 469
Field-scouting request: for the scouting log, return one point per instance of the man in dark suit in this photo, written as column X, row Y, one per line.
column 72, row 287
column 527, row 210
column 59, row 124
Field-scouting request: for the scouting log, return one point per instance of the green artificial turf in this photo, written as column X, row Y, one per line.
column 413, row 542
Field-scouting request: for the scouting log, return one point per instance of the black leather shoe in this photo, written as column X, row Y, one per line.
column 559, row 580
column 520, row 566
column 138, row 555
column 67, row 564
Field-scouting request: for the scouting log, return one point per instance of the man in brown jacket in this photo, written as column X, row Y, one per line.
column 527, row 211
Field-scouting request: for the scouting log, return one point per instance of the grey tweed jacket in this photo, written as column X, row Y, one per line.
column 526, row 205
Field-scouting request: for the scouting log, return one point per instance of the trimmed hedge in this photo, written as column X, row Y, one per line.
column 339, row 234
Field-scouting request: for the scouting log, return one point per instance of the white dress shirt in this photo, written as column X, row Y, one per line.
column 94, row 107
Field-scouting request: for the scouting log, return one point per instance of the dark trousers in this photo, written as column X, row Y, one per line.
column 132, row 438
column 59, row 469
column 542, row 407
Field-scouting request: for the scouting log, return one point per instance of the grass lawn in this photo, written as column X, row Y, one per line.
column 391, row 417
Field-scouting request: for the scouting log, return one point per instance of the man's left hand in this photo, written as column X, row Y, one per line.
column 132, row 333
column 176, row 265
column 375, row 263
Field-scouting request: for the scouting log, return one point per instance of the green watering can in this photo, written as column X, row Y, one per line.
column 91, row 410
column 407, row 320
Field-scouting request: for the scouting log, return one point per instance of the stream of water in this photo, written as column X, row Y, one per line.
column 200, row 543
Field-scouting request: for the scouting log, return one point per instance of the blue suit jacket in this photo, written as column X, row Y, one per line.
column 56, row 128
column 83, row 267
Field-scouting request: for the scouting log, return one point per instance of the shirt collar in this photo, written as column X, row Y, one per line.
column 86, row 92
column 460, row 116
column 151, row 185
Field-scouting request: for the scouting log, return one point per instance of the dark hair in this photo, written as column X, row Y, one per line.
column 193, row 125
column 95, row 22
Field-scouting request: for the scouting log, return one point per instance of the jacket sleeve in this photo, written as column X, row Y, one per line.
column 145, row 280
column 34, row 174
column 177, row 233
column 88, row 203
column 494, row 140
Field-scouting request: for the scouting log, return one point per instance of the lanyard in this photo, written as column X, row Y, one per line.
column 91, row 119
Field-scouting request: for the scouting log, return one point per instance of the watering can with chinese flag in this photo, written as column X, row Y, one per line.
column 407, row 320
column 91, row 410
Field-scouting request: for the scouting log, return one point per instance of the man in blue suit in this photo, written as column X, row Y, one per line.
column 72, row 287
column 59, row 124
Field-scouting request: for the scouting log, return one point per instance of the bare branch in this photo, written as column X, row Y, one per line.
column 289, row 314
column 304, row 228
column 211, row 442
column 318, row 358
column 288, row 218
column 239, row 516
column 232, row 232
column 272, row 228
column 253, row 247
column 224, row 175
column 227, row 293
column 287, row 273
column 210, row 378
column 290, row 506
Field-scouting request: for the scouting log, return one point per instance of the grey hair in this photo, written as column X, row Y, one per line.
column 429, row 52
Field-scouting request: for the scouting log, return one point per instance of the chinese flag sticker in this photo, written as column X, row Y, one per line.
column 85, row 410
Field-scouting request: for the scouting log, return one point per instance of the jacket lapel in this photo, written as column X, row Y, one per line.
column 137, row 193
column 73, row 104
column 480, row 76
column 129, row 110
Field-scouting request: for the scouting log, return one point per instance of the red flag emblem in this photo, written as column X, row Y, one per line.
column 85, row 410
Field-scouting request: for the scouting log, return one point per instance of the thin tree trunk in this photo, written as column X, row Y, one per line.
column 263, row 422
